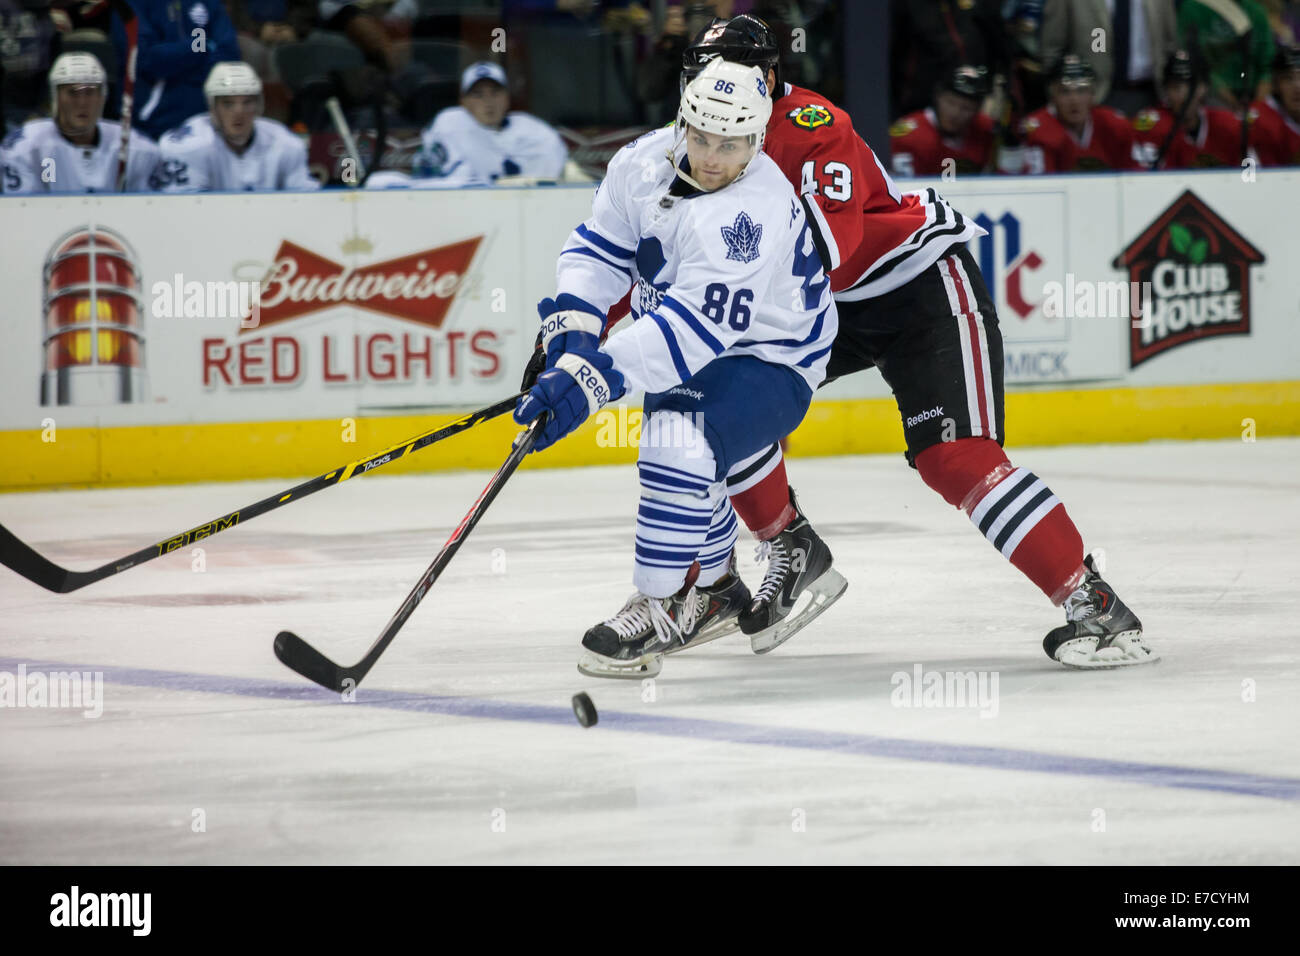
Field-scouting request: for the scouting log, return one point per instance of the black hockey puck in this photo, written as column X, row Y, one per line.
column 584, row 710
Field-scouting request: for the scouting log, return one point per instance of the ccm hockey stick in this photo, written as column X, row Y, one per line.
column 300, row 656
column 20, row 557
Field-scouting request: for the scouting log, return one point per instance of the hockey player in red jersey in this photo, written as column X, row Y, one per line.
column 1071, row 134
column 913, row 304
column 1275, row 121
column 953, row 131
column 1206, row 136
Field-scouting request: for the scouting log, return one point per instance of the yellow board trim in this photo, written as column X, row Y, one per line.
column 158, row 454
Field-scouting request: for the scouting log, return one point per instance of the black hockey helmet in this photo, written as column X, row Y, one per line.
column 1181, row 67
column 742, row 39
column 1286, row 59
column 1072, row 71
column 972, row 81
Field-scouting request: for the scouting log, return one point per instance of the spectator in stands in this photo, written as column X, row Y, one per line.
column 951, row 136
column 26, row 35
column 232, row 146
column 266, row 24
column 1024, row 22
column 263, row 25
column 1138, row 37
column 367, row 32
column 661, row 69
column 179, row 44
column 479, row 142
column 1235, row 41
column 1284, row 17
column 1275, row 120
column 77, row 151
column 928, row 36
column 1204, row 136
column 1072, row 134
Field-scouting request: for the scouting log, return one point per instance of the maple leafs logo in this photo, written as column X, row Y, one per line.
column 742, row 238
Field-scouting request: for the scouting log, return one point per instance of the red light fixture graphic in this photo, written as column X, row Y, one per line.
column 94, row 329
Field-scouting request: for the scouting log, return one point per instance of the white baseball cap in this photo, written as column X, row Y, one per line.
column 483, row 70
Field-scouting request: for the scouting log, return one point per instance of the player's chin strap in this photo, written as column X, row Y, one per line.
column 685, row 176
column 679, row 144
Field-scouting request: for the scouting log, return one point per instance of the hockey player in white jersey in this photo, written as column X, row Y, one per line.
column 733, row 325
column 76, row 151
column 479, row 142
column 233, row 147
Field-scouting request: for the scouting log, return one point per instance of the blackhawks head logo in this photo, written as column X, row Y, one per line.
column 811, row 117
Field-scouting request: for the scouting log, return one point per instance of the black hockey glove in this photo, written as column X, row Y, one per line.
column 535, row 367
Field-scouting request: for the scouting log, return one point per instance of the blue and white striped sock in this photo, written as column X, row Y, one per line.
column 679, row 501
column 715, row 556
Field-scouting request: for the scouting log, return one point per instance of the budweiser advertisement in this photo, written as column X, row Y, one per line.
column 228, row 308
column 157, row 310
column 393, row 313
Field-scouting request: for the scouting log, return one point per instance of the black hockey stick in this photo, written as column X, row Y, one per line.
column 300, row 656
column 20, row 557
column 1194, row 51
column 131, row 26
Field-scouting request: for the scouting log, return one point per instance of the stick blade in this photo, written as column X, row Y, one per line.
column 299, row 656
column 19, row 556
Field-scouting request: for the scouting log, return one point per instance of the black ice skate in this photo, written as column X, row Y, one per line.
column 1100, row 630
column 633, row 642
column 798, row 563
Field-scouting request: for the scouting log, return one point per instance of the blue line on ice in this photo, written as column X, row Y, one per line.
column 895, row 748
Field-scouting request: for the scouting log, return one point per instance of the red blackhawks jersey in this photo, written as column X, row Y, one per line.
column 1217, row 141
column 1274, row 136
column 917, row 148
column 873, row 237
column 1106, row 143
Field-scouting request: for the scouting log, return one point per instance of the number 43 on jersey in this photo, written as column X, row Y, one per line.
column 838, row 175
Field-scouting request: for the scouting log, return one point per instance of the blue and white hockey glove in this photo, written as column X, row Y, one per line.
column 569, row 324
column 580, row 384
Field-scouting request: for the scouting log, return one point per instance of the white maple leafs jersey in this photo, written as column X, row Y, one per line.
column 37, row 158
column 729, row 272
column 197, row 159
column 460, row 150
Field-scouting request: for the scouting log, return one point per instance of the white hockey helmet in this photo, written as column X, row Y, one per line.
column 231, row 79
column 75, row 69
column 729, row 99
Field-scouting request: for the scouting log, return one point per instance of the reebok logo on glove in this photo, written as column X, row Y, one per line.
column 555, row 324
column 589, row 378
column 593, row 383
column 580, row 383
column 568, row 323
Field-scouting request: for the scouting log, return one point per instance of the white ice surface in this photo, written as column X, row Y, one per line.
column 462, row 748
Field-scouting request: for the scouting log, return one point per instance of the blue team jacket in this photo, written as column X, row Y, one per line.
column 172, row 64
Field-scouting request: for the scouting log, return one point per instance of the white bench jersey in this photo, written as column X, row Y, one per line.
column 197, row 159
column 37, row 158
column 458, row 149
